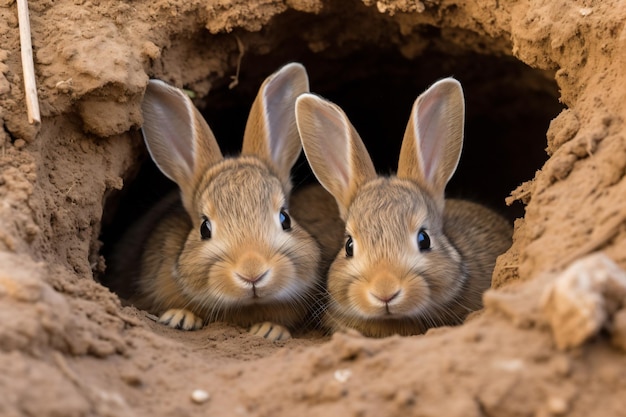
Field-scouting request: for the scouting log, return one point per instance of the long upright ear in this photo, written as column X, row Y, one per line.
column 434, row 137
column 333, row 148
column 179, row 140
column 271, row 132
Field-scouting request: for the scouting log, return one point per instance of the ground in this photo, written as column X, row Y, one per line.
column 551, row 338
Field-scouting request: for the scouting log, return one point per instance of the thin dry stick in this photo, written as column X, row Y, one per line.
column 30, row 86
column 242, row 51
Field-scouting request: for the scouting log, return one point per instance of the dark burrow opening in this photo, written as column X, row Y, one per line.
column 508, row 109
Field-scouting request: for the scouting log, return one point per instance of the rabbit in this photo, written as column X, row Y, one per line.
column 224, row 248
column 411, row 259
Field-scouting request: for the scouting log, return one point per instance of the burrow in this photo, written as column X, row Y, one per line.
column 374, row 71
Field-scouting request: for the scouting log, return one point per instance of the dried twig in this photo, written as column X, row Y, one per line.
column 242, row 51
column 30, row 86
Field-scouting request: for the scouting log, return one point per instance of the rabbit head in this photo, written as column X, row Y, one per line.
column 244, row 259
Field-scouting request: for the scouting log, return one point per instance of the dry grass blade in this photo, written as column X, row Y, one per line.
column 28, row 68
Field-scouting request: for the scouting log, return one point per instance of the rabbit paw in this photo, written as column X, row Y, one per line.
column 182, row 319
column 270, row 331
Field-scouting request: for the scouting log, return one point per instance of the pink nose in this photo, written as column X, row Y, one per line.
column 253, row 279
column 386, row 298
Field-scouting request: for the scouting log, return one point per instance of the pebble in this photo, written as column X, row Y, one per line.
column 199, row 396
column 342, row 375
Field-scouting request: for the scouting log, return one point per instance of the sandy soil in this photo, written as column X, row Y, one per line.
column 550, row 341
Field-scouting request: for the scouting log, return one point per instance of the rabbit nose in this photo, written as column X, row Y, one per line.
column 251, row 268
column 385, row 297
column 252, row 279
column 384, row 287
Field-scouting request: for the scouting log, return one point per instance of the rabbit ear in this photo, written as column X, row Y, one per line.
column 271, row 132
column 179, row 140
column 333, row 148
column 434, row 137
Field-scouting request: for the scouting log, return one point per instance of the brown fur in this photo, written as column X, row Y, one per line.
column 318, row 213
column 390, row 286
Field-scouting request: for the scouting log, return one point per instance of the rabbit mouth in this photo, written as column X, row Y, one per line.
column 253, row 285
column 256, row 294
column 394, row 304
column 385, row 303
column 382, row 311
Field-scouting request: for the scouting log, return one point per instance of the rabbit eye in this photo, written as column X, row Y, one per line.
column 423, row 240
column 205, row 229
column 349, row 247
column 285, row 220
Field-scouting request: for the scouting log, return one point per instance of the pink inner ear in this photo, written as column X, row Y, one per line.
column 334, row 145
column 431, row 130
column 181, row 124
column 278, row 118
column 168, row 130
column 337, row 152
column 326, row 138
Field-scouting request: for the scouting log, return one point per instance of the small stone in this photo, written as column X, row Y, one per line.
column 19, row 144
column 199, row 396
column 342, row 375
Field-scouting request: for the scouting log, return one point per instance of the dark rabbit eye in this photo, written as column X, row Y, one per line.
column 285, row 220
column 205, row 229
column 423, row 240
column 349, row 247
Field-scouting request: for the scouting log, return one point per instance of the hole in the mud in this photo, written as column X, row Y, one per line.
column 508, row 110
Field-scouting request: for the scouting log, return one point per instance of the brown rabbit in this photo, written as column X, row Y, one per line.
column 225, row 248
column 412, row 260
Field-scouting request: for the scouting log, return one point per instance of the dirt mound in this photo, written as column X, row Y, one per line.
column 551, row 338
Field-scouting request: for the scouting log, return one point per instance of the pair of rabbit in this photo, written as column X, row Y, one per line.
column 228, row 249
